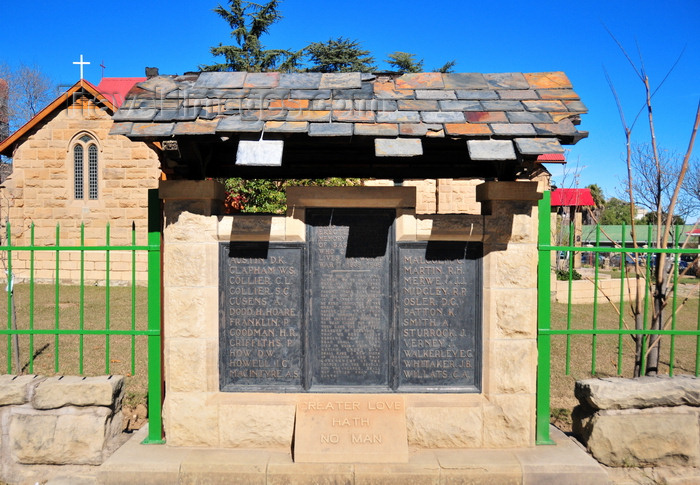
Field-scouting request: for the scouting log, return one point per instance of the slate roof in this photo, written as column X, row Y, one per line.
column 505, row 116
column 116, row 88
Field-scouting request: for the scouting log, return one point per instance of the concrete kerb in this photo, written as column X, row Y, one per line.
column 566, row 462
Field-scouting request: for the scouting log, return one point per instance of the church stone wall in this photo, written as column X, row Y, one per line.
column 40, row 191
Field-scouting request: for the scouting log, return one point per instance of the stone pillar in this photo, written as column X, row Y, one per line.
column 510, row 310
column 190, row 295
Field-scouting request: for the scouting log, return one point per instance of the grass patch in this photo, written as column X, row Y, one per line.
column 562, row 385
column 95, row 353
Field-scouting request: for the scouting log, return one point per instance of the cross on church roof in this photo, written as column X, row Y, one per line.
column 81, row 63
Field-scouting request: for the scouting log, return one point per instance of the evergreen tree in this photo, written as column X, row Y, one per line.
column 249, row 22
column 447, row 67
column 404, row 62
column 339, row 55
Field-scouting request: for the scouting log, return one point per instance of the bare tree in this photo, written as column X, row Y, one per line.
column 30, row 90
column 655, row 181
column 663, row 190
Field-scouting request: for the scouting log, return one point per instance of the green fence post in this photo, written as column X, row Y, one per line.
column 155, row 394
column 543, row 322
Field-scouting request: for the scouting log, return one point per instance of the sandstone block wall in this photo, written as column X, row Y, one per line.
column 62, row 420
column 197, row 413
column 650, row 421
column 40, row 190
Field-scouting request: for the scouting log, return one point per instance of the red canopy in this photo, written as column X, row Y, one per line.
column 572, row 197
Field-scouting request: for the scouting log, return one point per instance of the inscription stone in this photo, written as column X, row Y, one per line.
column 261, row 311
column 351, row 312
column 438, row 315
column 356, row 428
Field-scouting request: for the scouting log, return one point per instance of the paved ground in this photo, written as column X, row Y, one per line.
column 134, row 463
column 567, row 463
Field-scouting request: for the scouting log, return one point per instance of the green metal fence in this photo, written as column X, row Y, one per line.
column 587, row 326
column 63, row 328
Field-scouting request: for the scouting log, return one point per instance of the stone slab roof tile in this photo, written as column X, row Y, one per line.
column 422, row 80
column 451, row 105
column 287, row 126
column 398, row 147
column 123, row 128
column 234, row 125
column 220, row 80
column 377, row 129
column 547, row 80
column 533, row 112
column 518, row 94
column 199, row 127
column 304, row 80
column 477, row 94
column 507, row 80
column 345, row 80
column 513, row 129
column 151, row 129
column 538, row 146
column 465, row 81
column 262, row 80
column 330, row 129
column 435, row 94
column 491, row 150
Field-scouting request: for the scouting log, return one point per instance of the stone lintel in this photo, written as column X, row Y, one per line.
column 398, row 147
column 365, row 197
column 507, row 191
column 191, row 190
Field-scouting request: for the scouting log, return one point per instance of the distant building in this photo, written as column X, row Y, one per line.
column 68, row 170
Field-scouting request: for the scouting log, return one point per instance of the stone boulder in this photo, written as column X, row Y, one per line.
column 640, row 438
column 59, row 391
column 17, row 389
column 640, row 393
column 650, row 421
column 69, row 435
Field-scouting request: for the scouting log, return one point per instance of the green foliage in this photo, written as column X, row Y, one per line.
column 650, row 218
column 597, row 194
column 404, row 62
column 616, row 212
column 447, row 67
column 563, row 275
column 339, row 55
column 269, row 196
column 249, row 22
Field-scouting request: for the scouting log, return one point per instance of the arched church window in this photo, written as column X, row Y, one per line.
column 80, row 176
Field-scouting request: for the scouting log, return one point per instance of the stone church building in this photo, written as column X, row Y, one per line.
column 68, row 170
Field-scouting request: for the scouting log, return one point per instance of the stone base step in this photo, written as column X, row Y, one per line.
column 565, row 462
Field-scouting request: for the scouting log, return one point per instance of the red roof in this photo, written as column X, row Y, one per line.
column 115, row 88
column 551, row 157
column 572, row 197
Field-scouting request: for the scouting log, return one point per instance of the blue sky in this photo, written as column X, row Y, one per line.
column 501, row 36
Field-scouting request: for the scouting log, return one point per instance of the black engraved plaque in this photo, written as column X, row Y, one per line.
column 261, row 310
column 350, row 297
column 439, row 318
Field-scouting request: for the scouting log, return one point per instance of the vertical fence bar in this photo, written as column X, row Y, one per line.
column 594, row 338
column 8, row 240
column 155, row 422
column 82, row 295
column 133, row 298
column 644, row 337
column 672, row 352
column 107, row 283
column 623, row 271
column 543, row 322
column 31, row 299
column 569, row 298
column 57, row 300
column 697, row 345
